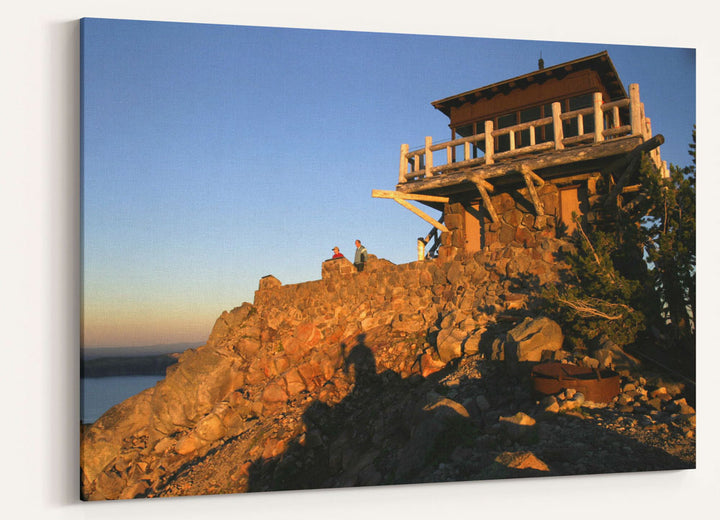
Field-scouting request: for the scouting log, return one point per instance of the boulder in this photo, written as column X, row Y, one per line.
column 450, row 343
column 439, row 420
column 521, row 460
column 528, row 340
column 517, row 426
column 609, row 355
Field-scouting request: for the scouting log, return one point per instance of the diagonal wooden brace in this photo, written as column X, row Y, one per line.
column 483, row 187
column 612, row 198
column 421, row 214
column 530, row 178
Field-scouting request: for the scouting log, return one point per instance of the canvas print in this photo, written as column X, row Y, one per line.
column 320, row 259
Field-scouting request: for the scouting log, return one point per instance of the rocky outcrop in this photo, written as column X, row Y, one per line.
column 388, row 375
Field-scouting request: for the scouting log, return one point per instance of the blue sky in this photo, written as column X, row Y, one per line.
column 214, row 155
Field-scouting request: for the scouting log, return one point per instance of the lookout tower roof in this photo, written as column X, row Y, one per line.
column 595, row 73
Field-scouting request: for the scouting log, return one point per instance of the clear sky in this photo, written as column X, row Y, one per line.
column 214, row 155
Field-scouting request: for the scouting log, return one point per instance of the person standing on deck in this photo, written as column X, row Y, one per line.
column 360, row 256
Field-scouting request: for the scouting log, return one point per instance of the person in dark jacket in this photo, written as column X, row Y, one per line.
column 360, row 256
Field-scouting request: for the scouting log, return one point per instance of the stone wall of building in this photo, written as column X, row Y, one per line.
column 518, row 223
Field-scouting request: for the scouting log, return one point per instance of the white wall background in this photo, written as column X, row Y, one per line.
column 39, row 264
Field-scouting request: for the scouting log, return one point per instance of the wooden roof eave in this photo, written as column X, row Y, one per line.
column 609, row 76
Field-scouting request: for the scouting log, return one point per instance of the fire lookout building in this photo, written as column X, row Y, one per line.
column 527, row 156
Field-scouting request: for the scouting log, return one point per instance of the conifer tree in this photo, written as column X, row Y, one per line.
column 670, row 245
column 641, row 276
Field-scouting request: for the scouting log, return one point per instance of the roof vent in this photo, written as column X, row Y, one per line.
column 541, row 63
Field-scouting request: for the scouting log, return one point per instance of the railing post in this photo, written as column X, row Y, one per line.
column 557, row 126
column 428, row 156
column 598, row 116
column 404, row 149
column 511, row 133
column 489, row 144
column 635, row 109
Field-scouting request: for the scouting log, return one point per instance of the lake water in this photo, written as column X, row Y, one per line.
column 99, row 394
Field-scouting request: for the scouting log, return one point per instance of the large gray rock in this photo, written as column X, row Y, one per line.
column 609, row 355
column 528, row 340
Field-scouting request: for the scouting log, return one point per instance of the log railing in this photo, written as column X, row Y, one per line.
column 419, row 164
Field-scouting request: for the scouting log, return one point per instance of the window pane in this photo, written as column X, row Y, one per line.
column 578, row 102
column 465, row 130
column 507, row 120
column 530, row 114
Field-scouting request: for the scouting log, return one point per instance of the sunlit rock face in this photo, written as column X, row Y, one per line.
column 329, row 383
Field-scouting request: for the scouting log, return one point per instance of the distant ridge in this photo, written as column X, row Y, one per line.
column 88, row 353
column 131, row 361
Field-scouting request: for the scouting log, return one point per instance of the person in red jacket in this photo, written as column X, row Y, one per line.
column 337, row 253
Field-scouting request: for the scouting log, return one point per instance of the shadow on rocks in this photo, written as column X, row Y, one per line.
column 471, row 421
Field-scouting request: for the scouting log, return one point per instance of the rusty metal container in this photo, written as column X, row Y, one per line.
column 599, row 386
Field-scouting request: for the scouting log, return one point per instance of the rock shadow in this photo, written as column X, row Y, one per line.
column 444, row 428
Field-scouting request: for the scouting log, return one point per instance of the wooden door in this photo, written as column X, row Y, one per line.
column 569, row 204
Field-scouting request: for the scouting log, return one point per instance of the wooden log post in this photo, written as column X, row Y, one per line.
column 428, row 157
column 483, row 187
column 613, row 197
column 524, row 169
column 387, row 194
column 487, row 202
column 404, row 149
column 598, row 116
column 489, row 144
column 530, row 178
column 557, row 126
column 422, row 215
column 635, row 109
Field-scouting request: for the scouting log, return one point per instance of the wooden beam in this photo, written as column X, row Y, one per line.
column 624, row 178
column 387, row 194
column 525, row 170
column 480, row 184
column 422, row 215
column 557, row 126
column 428, row 156
column 646, row 146
column 598, row 116
column 404, row 148
column 477, row 179
column 533, row 193
column 635, row 109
